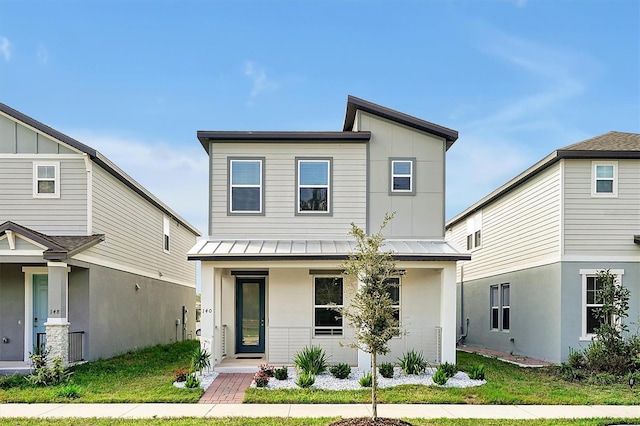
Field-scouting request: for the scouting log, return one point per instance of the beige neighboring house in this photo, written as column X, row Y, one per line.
column 537, row 243
column 281, row 205
column 91, row 263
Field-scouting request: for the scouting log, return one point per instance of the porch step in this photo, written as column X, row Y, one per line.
column 14, row 367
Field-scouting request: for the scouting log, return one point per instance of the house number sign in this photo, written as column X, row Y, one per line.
column 207, row 311
column 54, row 311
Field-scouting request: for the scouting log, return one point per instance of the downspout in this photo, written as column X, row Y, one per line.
column 462, row 335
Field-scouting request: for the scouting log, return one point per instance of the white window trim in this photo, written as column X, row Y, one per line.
column 329, row 162
column 474, row 225
column 584, row 336
column 594, row 179
column 399, row 335
column 260, row 185
column 166, row 234
column 503, row 306
column 56, row 165
column 499, row 307
column 327, row 336
column 411, row 176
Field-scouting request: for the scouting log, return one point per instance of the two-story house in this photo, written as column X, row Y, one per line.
column 91, row 263
column 281, row 207
column 537, row 243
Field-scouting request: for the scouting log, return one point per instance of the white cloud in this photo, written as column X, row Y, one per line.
column 43, row 54
column 6, row 48
column 177, row 175
column 260, row 82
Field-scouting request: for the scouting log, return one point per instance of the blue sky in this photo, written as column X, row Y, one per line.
column 137, row 79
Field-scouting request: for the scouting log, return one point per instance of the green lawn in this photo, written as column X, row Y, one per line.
column 273, row 421
column 142, row 376
column 506, row 384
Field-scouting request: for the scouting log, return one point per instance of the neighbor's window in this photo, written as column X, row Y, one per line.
column 474, row 231
column 166, row 226
column 246, row 186
column 327, row 297
column 591, row 290
column 500, row 307
column 314, row 185
column 46, row 180
column 605, row 182
column 393, row 289
column 402, row 176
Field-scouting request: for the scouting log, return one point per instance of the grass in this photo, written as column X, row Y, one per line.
column 274, row 421
column 506, row 384
column 142, row 376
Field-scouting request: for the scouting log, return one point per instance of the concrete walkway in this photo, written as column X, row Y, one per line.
column 316, row 410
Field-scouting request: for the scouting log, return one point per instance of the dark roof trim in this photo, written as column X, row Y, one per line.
column 354, row 104
column 256, row 258
column 206, row 136
column 537, row 168
column 55, row 249
column 102, row 161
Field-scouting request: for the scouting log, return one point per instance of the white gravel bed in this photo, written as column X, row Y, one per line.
column 205, row 380
column 328, row 382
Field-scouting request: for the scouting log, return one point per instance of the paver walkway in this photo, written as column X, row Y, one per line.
column 227, row 388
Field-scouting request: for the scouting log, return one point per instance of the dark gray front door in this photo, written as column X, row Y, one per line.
column 249, row 315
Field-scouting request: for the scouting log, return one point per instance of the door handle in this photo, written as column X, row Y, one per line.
column 262, row 322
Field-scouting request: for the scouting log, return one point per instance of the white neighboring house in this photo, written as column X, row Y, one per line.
column 91, row 263
column 281, row 205
column 537, row 243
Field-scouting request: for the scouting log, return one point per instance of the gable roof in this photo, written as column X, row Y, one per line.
column 58, row 247
column 609, row 146
column 354, row 104
column 102, row 161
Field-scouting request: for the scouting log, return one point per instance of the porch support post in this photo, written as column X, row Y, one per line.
column 206, row 311
column 364, row 358
column 448, row 312
column 57, row 318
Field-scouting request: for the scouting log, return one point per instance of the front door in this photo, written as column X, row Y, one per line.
column 249, row 315
column 40, row 308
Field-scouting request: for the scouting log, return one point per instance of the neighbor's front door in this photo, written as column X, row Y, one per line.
column 40, row 308
column 249, row 315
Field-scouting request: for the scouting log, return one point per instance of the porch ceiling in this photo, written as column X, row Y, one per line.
column 325, row 249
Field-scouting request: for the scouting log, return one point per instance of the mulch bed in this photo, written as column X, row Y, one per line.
column 368, row 421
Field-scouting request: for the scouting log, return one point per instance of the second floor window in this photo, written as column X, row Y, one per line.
column 314, row 186
column 402, row 176
column 474, row 231
column 246, row 186
column 166, row 226
column 604, row 179
column 46, row 180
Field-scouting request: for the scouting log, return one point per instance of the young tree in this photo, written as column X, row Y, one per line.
column 371, row 312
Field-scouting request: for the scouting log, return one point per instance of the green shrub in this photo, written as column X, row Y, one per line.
column 340, row 371
column 449, row 369
column 576, row 359
column 602, row 379
column 440, row 376
column 412, row 362
column 306, row 379
column 200, row 359
column 47, row 376
column 181, row 375
column 569, row 373
column 12, row 381
column 366, row 380
column 311, row 360
column 70, row 391
column 476, row 372
column 192, row 381
column 261, row 378
column 281, row 373
column 386, row 370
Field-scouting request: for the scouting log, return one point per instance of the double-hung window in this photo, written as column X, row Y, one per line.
column 402, row 176
column 591, row 299
column 393, row 290
column 474, row 231
column 328, row 299
column 500, row 301
column 605, row 179
column 246, row 188
column 313, row 186
column 46, row 179
column 166, row 226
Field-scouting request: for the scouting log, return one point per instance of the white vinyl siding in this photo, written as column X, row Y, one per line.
column 601, row 225
column 65, row 215
column 133, row 228
column 280, row 219
column 519, row 230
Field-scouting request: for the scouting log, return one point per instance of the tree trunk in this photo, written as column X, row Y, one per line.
column 374, row 383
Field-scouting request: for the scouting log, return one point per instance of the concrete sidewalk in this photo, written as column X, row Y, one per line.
column 317, row 410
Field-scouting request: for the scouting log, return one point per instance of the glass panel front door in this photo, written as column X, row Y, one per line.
column 40, row 308
column 250, row 315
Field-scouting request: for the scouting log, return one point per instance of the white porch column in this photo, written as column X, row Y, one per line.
column 57, row 318
column 206, row 310
column 448, row 312
column 364, row 358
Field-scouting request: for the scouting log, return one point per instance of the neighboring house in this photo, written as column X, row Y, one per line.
column 281, row 207
column 90, row 262
column 537, row 243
